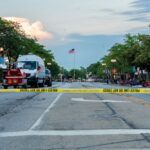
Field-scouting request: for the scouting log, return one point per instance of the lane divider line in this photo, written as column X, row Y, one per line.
column 76, row 132
column 38, row 122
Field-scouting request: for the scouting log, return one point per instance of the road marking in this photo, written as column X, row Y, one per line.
column 76, row 132
column 37, row 123
column 98, row 101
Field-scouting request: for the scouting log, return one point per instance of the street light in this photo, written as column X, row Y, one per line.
column 113, row 70
column 113, row 60
column 62, row 74
column 1, row 49
column 106, row 71
column 103, row 64
column 49, row 64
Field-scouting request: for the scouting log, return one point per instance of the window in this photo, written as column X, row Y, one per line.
column 31, row 65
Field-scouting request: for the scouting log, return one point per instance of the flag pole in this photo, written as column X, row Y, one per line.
column 72, row 51
column 74, row 67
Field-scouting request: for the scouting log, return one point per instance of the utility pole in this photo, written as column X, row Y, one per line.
column 74, row 73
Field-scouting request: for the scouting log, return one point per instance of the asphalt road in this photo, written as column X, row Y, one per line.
column 51, row 121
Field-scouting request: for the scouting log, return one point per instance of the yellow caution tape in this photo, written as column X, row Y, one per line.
column 78, row 90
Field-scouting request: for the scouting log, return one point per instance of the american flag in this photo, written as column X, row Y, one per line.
column 72, row 51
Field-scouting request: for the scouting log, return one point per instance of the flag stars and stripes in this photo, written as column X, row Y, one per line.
column 72, row 51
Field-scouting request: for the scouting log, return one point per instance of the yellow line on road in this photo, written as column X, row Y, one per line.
column 87, row 90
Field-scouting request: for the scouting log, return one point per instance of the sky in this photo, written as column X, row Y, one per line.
column 91, row 27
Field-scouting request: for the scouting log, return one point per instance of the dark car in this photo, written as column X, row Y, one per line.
column 48, row 77
column 124, row 82
column 134, row 82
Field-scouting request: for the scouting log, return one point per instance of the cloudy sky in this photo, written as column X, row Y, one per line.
column 91, row 27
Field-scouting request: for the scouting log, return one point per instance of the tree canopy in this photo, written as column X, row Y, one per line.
column 15, row 42
column 135, row 51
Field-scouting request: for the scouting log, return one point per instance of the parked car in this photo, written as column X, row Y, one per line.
column 134, row 82
column 34, row 68
column 146, row 84
column 124, row 82
column 48, row 77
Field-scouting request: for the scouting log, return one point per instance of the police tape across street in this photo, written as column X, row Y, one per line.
column 78, row 90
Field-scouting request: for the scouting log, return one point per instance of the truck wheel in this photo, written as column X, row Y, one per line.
column 41, row 84
column 15, row 86
column 24, row 86
column 5, row 87
column 36, row 85
column 50, row 83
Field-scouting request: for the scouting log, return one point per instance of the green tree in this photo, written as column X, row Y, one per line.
column 15, row 42
column 117, row 52
column 95, row 69
column 11, row 38
column 55, row 69
column 134, row 52
column 78, row 73
column 143, row 57
column 83, row 73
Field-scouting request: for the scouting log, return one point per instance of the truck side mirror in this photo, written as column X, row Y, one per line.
column 38, row 68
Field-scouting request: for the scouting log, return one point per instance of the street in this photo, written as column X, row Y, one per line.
column 51, row 121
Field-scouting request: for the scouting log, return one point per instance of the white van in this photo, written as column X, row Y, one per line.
column 34, row 68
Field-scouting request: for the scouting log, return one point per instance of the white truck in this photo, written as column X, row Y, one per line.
column 34, row 68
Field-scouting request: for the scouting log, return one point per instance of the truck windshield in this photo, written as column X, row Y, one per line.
column 31, row 65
